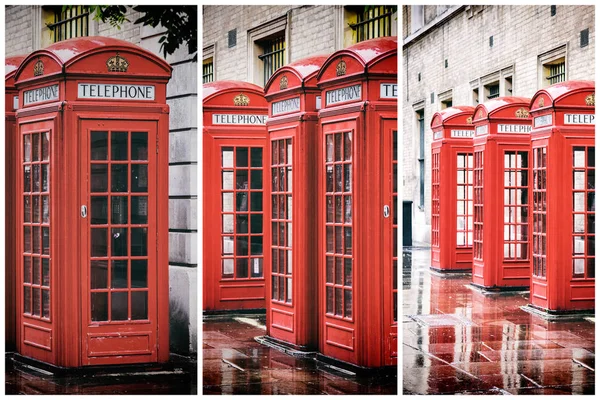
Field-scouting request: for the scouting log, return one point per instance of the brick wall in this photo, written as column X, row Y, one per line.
column 521, row 33
column 18, row 31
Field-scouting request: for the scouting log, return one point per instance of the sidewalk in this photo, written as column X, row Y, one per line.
column 179, row 376
column 459, row 341
column 234, row 363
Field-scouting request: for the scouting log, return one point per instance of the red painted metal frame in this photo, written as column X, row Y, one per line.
column 10, row 224
column 60, row 339
column 368, row 336
column 295, row 321
column 218, row 98
column 446, row 254
column 491, row 270
column 557, row 290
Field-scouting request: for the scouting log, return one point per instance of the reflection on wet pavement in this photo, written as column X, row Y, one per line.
column 179, row 376
column 234, row 363
column 457, row 340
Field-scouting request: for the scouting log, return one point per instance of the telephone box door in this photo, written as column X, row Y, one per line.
column 390, row 241
column 119, row 241
column 236, row 174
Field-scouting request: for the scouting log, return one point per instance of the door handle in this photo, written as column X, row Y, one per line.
column 83, row 211
column 386, row 211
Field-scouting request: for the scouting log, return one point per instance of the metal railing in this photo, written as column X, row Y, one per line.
column 274, row 56
column 71, row 23
column 373, row 23
column 557, row 73
column 207, row 72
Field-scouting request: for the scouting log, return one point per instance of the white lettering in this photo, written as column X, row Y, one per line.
column 343, row 94
column 438, row 135
column 115, row 91
column 239, row 119
column 285, row 106
column 388, row 90
column 580, row 119
column 513, row 128
column 40, row 95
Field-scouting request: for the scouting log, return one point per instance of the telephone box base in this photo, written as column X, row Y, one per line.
column 285, row 347
column 450, row 273
column 216, row 314
column 176, row 364
column 562, row 315
column 343, row 368
column 498, row 290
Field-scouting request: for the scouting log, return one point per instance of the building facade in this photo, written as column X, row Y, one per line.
column 30, row 28
column 248, row 43
column 465, row 55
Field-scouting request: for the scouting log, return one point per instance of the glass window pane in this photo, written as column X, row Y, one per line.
column 289, row 151
column 119, row 209
column 579, row 157
column 35, row 147
column 329, row 299
column 348, row 303
column 274, row 287
column 37, row 302
column 347, row 240
column 347, row 271
column 45, row 177
column 241, row 270
column 348, row 209
column 227, row 180
column 99, row 274
column 227, row 154
column 118, row 274
column 227, row 223
column 118, row 241
column 139, row 209
column 256, row 157
column 35, row 180
column 241, row 157
column 27, row 239
column 256, row 247
column 591, row 156
column 256, row 199
column 119, row 306
column 36, row 240
column 241, row 179
column 99, row 178
column 348, row 146
column 338, row 209
column 241, row 245
column 139, row 178
column 579, row 201
column 338, row 301
column 227, row 202
column 227, row 268
column 339, row 272
column 27, row 178
column 45, row 240
column 139, row 273
column 99, row 145
column 99, row 210
column 256, row 267
column 139, row 241
column 118, row 177
column 289, row 290
column 99, row 307
column 139, row 145
column 338, row 178
column 338, row 240
column 578, row 179
column 36, row 208
column 256, row 223
column 27, row 208
column 27, row 299
column 256, row 179
column 37, row 273
column 46, row 303
column 118, row 145
column 274, row 260
column 26, row 148
column 329, row 148
column 27, row 269
column 241, row 223
column 139, row 305
column 289, row 262
column 578, row 266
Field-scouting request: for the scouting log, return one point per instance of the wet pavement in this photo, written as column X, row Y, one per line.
column 177, row 377
column 459, row 341
column 234, row 363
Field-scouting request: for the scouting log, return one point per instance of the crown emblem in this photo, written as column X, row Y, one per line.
column 283, row 83
column 480, row 113
column 541, row 102
column 341, row 68
column 38, row 68
column 591, row 100
column 241, row 100
column 117, row 64
column 470, row 120
column 522, row 113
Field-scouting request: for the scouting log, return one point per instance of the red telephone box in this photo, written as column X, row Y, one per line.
column 452, row 190
column 92, row 270
column 11, row 101
column 501, row 148
column 235, row 222
column 563, row 200
column 292, row 95
column 357, row 204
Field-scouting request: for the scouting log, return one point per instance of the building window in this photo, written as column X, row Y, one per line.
column 373, row 22
column 273, row 56
column 475, row 96
column 417, row 18
column 552, row 67
column 207, row 70
column 555, row 72
column 445, row 99
column 492, row 90
column 69, row 23
column 421, row 127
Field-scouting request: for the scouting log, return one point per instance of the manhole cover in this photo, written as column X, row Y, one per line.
column 441, row 320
